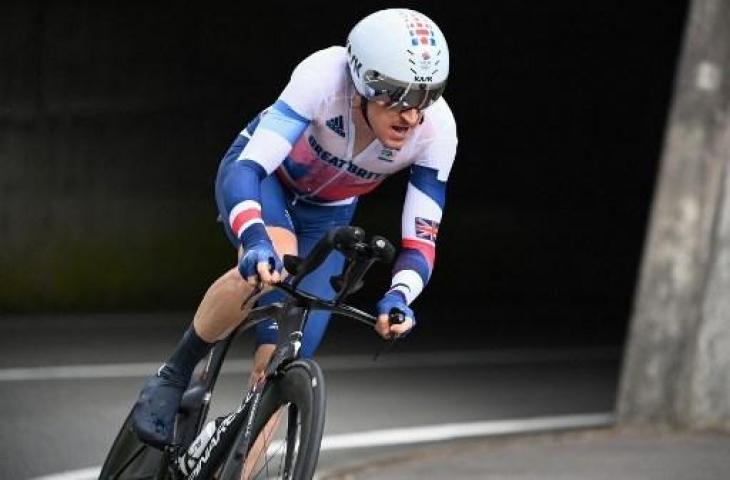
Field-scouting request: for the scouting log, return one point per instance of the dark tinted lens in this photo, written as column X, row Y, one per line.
column 402, row 96
column 419, row 98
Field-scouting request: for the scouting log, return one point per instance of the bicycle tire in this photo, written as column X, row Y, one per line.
column 130, row 459
column 300, row 392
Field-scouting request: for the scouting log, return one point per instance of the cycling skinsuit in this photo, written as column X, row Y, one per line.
column 293, row 167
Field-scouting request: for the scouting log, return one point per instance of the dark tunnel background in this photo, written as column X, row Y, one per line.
column 113, row 118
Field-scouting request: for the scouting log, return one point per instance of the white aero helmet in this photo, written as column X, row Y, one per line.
column 398, row 57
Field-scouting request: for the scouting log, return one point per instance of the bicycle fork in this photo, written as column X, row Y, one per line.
column 283, row 355
column 207, row 449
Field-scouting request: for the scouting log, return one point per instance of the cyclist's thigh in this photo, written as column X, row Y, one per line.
column 279, row 226
column 314, row 222
column 276, row 217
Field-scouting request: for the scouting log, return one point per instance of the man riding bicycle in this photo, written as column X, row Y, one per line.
column 347, row 119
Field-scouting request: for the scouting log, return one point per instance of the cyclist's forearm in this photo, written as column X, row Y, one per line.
column 422, row 211
column 242, row 196
column 410, row 274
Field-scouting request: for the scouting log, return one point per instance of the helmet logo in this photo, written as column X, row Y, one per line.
column 425, row 62
column 356, row 64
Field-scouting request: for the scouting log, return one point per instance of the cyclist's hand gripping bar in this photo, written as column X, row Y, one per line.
column 396, row 317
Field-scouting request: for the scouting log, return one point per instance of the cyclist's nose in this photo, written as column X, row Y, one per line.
column 411, row 116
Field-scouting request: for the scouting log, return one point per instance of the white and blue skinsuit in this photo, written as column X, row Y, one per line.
column 293, row 167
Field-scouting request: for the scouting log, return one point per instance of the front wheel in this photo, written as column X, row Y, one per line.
column 287, row 428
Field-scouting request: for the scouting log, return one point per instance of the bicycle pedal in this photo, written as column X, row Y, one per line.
column 192, row 399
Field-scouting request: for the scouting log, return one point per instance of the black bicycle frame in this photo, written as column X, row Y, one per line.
column 291, row 317
column 229, row 427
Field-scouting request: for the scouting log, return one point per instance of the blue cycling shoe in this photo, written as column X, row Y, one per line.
column 153, row 417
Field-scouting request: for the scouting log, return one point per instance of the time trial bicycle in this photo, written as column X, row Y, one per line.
column 276, row 431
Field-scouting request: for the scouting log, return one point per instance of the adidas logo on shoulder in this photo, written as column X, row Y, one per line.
column 336, row 125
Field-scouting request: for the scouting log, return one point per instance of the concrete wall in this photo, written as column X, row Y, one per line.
column 677, row 365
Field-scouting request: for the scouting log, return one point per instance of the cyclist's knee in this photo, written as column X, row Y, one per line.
column 283, row 239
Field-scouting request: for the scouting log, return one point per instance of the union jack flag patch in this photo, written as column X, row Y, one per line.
column 427, row 229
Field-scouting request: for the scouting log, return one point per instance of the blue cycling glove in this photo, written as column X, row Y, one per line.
column 395, row 300
column 261, row 251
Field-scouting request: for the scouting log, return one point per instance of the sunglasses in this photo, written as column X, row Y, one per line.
column 398, row 95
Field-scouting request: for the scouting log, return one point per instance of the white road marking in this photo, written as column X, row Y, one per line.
column 423, row 434
column 328, row 363
column 452, row 431
column 83, row 474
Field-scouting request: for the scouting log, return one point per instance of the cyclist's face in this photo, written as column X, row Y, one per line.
column 392, row 126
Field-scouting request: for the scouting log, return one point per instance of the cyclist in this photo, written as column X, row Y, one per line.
column 348, row 118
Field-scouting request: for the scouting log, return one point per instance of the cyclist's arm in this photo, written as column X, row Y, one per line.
column 422, row 211
column 269, row 145
column 424, row 204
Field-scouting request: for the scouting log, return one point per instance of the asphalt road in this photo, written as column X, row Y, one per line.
column 66, row 384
